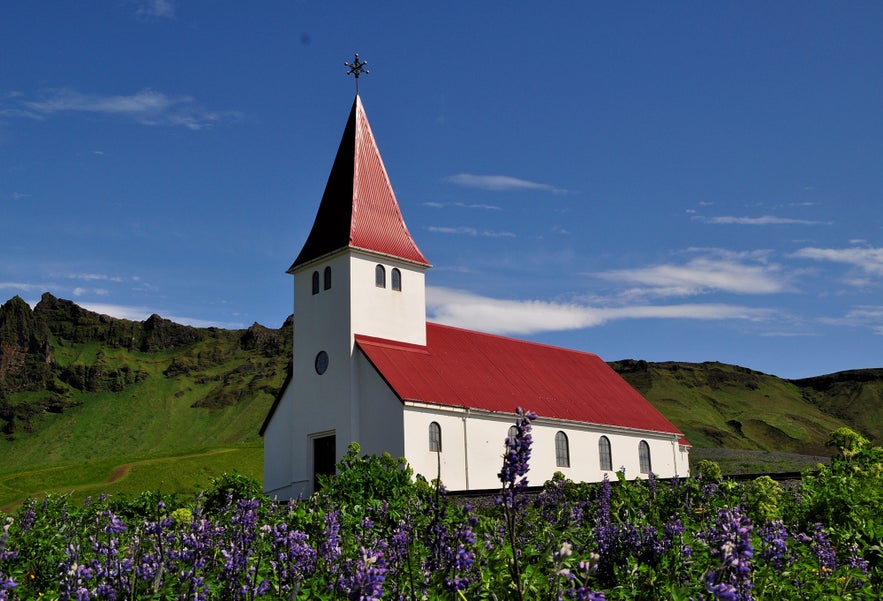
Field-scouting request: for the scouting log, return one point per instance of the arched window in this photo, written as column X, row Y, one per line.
column 315, row 282
column 513, row 432
column 562, row 450
column 328, row 278
column 644, row 457
column 396, row 279
column 604, row 453
column 435, row 437
column 380, row 276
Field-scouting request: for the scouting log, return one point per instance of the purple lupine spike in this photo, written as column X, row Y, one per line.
column 730, row 541
column 774, row 537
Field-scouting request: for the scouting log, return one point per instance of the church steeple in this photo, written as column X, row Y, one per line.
column 359, row 208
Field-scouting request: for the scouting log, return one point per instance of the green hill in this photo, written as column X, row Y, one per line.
column 90, row 400
column 92, row 404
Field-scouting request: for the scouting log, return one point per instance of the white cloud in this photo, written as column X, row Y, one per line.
column 869, row 260
column 763, row 220
column 132, row 313
column 155, row 8
column 462, row 205
column 702, row 275
column 147, row 107
column 79, row 291
column 20, row 286
column 498, row 183
column 867, row 316
column 469, row 231
column 499, row 316
column 136, row 313
column 89, row 277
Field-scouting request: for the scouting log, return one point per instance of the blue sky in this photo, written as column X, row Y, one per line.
column 686, row 181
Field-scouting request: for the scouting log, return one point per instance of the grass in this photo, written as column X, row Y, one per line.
column 185, row 474
column 726, row 406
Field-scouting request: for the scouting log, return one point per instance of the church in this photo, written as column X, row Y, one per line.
column 368, row 367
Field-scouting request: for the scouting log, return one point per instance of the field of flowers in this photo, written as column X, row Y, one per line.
column 375, row 532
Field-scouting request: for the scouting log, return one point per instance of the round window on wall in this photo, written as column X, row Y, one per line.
column 321, row 362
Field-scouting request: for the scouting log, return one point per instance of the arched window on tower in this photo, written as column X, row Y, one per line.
column 562, row 450
column 380, row 276
column 604, row 453
column 644, row 457
column 328, row 278
column 396, row 279
column 435, row 443
column 315, row 282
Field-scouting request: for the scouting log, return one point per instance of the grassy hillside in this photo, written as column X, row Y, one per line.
column 719, row 405
column 126, row 406
column 92, row 404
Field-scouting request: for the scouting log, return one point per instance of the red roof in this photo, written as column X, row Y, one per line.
column 359, row 208
column 462, row 368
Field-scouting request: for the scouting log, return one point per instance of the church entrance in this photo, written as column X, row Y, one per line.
column 324, row 449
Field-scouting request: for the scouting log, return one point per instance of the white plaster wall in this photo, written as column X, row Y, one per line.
column 485, row 434
column 316, row 404
column 381, row 413
column 450, row 464
column 384, row 312
column 277, row 454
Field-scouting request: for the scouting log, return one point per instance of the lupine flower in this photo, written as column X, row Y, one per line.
column 292, row 556
column 516, row 461
column 583, row 594
column 329, row 548
column 775, row 543
column 730, row 542
column 6, row 585
column 365, row 576
column 823, row 551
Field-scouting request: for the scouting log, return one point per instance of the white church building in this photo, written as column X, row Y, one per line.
column 368, row 367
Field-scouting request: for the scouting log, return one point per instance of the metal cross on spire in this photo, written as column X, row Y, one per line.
column 357, row 67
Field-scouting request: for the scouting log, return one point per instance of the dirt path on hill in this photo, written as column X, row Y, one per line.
column 118, row 473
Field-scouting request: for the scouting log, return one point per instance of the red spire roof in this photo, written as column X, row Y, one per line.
column 359, row 208
column 462, row 368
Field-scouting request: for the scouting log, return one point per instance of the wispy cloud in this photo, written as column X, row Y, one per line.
column 524, row 317
column 80, row 291
column 21, row 286
column 740, row 274
column 93, row 277
column 864, row 316
column 763, row 220
column 869, row 260
column 462, row 205
column 154, row 8
column 469, row 231
column 148, row 107
column 499, row 183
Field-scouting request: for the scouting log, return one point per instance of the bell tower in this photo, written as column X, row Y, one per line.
column 359, row 272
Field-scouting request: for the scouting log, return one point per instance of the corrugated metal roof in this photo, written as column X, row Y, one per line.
column 359, row 208
column 462, row 368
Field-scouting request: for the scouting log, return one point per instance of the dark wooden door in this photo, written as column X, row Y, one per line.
column 324, row 450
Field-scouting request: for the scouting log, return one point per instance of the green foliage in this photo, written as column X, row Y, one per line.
column 847, row 442
column 846, row 497
column 227, row 490
column 708, row 470
column 370, row 479
column 763, row 496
